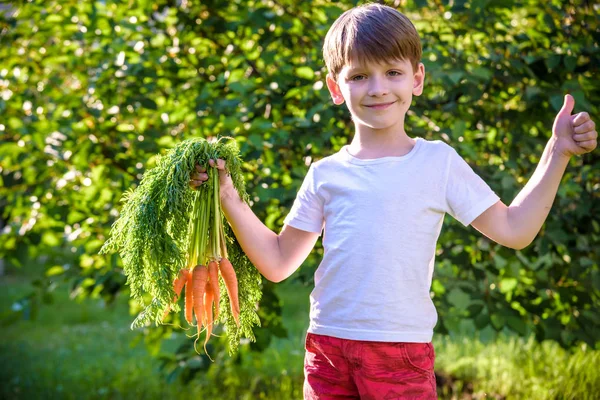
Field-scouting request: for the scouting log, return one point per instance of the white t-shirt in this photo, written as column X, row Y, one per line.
column 381, row 219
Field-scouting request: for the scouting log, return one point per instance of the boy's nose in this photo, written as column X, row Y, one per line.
column 377, row 88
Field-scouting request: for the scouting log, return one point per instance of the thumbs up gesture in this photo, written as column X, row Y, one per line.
column 575, row 134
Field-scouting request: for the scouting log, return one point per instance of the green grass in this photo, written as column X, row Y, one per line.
column 518, row 368
column 71, row 350
column 82, row 350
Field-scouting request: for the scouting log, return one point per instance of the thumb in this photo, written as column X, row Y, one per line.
column 568, row 106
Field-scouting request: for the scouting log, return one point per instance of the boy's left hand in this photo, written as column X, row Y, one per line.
column 575, row 134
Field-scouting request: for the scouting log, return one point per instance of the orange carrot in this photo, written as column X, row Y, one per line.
column 189, row 301
column 199, row 281
column 231, row 283
column 178, row 285
column 213, row 272
column 208, row 314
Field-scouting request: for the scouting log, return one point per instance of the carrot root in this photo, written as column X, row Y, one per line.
column 178, row 285
column 189, row 301
column 208, row 314
column 199, row 279
column 231, row 284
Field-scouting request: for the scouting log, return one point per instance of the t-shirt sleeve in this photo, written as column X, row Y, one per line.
column 307, row 211
column 467, row 195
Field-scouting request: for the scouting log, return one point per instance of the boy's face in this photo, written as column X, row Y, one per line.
column 377, row 95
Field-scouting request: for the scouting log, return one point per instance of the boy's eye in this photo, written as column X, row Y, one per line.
column 395, row 73
column 357, row 78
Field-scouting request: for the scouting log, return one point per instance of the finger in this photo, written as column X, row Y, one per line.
column 194, row 184
column 580, row 118
column 200, row 168
column 585, row 127
column 586, row 136
column 199, row 176
column 589, row 145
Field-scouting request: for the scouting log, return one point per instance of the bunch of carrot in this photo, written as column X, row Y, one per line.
column 202, row 293
column 207, row 259
column 170, row 237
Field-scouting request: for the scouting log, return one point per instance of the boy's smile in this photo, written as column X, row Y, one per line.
column 378, row 95
column 380, row 106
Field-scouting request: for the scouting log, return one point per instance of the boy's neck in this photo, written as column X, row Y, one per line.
column 369, row 144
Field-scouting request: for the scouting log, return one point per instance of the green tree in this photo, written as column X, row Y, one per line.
column 90, row 92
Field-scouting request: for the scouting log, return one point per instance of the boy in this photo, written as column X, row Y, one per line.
column 381, row 201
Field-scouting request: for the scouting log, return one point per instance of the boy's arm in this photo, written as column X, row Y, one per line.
column 517, row 226
column 275, row 256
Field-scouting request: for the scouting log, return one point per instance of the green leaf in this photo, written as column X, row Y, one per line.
column 482, row 73
column 294, row 93
column 482, row 320
column 517, row 324
column 15, row 123
column 553, row 61
column 148, row 103
column 256, row 140
column 75, row 216
column 125, row 128
column 54, row 19
column 459, row 128
column 236, row 75
column 499, row 261
column 498, row 321
column 549, row 21
column 459, row 298
column 55, row 270
column 570, row 63
column 305, row 73
column 49, row 238
column 456, row 76
column 508, row 285
column 487, row 334
column 437, row 287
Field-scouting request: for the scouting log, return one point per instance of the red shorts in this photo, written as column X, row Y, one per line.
column 356, row 369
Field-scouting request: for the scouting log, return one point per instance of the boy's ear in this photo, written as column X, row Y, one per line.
column 334, row 89
column 419, row 80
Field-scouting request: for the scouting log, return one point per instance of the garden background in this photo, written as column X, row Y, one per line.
column 91, row 91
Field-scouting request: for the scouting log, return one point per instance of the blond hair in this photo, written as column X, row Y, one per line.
column 371, row 33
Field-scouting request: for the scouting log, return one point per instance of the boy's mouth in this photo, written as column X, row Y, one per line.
column 380, row 106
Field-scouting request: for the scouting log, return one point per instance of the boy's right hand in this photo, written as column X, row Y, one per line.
column 225, row 183
column 275, row 256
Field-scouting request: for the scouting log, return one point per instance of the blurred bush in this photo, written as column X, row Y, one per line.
column 90, row 92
